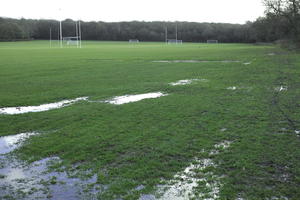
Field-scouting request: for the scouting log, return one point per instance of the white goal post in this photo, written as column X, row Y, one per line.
column 71, row 40
column 174, row 41
column 133, row 41
column 212, row 41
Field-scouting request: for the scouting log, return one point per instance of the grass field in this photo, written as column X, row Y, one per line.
column 135, row 148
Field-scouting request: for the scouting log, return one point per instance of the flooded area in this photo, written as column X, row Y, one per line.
column 182, row 186
column 40, row 108
column 11, row 142
column 19, row 180
column 196, row 61
column 186, row 82
column 232, row 88
column 134, row 98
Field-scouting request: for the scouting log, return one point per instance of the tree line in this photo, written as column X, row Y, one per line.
column 281, row 21
column 25, row 29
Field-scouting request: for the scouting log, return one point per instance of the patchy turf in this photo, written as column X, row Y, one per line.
column 135, row 147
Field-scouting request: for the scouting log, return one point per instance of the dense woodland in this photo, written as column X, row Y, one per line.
column 282, row 21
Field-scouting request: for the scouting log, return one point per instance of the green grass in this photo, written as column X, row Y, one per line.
column 144, row 142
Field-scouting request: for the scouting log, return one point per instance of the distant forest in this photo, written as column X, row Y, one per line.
column 275, row 25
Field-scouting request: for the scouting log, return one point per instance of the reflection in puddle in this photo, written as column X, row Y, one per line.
column 182, row 186
column 134, row 98
column 34, row 181
column 11, row 142
column 196, row 61
column 232, row 88
column 281, row 88
column 223, row 129
column 186, row 82
column 40, row 108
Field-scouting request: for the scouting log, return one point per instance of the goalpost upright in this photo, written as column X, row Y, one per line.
column 175, row 41
column 166, row 33
column 50, row 37
column 176, row 33
column 79, row 29
column 72, row 39
column 60, row 34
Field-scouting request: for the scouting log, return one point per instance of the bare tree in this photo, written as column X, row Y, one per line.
column 289, row 9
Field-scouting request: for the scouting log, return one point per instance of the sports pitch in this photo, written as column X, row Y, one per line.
column 226, row 125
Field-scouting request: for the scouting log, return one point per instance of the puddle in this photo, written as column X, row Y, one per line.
column 247, row 63
column 196, row 61
column 271, row 54
column 186, row 82
column 134, row 98
column 147, row 197
column 11, row 142
column 35, row 181
column 232, row 88
column 223, row 129
column 140, row 187
column 223, row 145
column 181, row 187
column 281, row 88
column 40, row 108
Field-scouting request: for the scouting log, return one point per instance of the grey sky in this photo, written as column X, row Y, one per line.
column 227, row 11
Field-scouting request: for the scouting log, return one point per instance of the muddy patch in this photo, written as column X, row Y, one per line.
column 187, row 82
column 19, row 180
column 40, row 108
column 197, row 174
column 196, row 61
column 134, row 98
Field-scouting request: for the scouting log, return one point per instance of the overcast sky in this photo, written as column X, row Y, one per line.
column 227, row 11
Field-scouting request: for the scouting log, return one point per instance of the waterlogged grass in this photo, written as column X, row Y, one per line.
column 148, row 142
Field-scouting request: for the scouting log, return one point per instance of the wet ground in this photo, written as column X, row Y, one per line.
column 186, row 82
column 40, row 108
column 134, row 98
column 196, row 61
column 19, row 180
column 182, row 186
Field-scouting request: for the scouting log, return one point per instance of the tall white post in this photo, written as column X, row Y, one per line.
column 77, row 42
column 79, row 28
column 176, row 32
column 50, row 38
column 166, row 35
column 60, row 34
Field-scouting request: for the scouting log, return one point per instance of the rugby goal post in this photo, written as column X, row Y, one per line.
column 71, row 41
column 212, row 41
column 174, row 41
column 133, row 41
